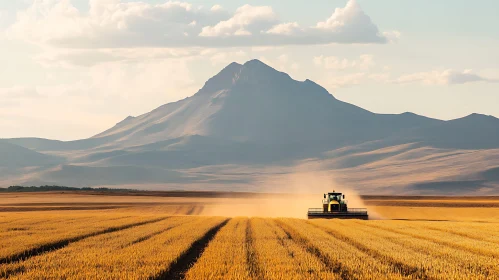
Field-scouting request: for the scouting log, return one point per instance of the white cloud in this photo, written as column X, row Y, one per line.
column 267, row 48
column 216, row 8
column 69, row 58
column 13, row 96
column 112, row 23
column 246, row 20
column 283, row 58
column 100, row 96
column 392, row 36
column 466, row 76
column 446, row 77
column 341, row 81
column 18, row 92
column 289, row 28
column 116, row 24
column 352, row 23
column 281, row 63
column 365, row 62
column 3, row 18
column 380, row 77
column 224, row 58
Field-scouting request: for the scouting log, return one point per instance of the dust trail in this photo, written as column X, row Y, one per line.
column 287, row 195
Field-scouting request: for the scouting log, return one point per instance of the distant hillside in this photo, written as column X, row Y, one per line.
column 14, row 156
column 471, row 132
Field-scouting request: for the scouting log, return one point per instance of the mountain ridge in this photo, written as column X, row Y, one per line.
column 252, row 116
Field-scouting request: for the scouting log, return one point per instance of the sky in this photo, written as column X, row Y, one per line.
column 74, row 68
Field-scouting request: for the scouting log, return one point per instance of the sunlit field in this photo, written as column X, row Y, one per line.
column 72, row 236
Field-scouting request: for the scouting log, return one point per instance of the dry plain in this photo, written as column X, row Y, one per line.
column 189, row 235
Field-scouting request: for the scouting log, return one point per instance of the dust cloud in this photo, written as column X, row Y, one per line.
column 285, row 195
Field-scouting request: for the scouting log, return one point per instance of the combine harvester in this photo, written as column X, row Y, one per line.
column 334, row 206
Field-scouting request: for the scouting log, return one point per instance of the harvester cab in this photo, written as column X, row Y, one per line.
column 335, row 206
column 334, row 202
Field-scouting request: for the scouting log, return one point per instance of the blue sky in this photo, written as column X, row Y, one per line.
column 70, row 71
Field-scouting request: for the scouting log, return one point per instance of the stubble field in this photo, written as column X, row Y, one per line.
column 76, row 236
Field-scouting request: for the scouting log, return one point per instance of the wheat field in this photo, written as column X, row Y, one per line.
column 173, row 241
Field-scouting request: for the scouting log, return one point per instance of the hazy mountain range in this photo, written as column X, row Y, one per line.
column 250, row 123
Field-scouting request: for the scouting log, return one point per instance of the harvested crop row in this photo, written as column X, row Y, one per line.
column 160, row 210
column 137, row 253
column 14, row 243
column 445, row 238
column 51, row 225
column 226, row 255
column 399, row 258
column 435, row 260
column 343, row 258
column 280, row 257
column 10, row 268
column 105, row 240
column 25, row 220
column 479, row 231
column 474, row 265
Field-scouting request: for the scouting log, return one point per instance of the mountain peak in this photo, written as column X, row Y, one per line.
column 253, row 71
column 222, row 79
column 482, row 116
column 255, row 63
column 126, row 120
column 257, row 72
column 477, row 117
column 258, row 65
column 234, row 66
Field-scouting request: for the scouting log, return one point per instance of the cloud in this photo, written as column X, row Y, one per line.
column 347, row 80
column 392, row 36
column 289, row 28
column 455, row 77
column 364, row 62
column 352, row 23
column 446, row 77
column 18, row 92
column 14, row 96
column 69, row 58
column 380, row 77
column 224, row 58
column 3, row 16
column 282, row 62
column 216, row 8
column 97, row 97
column 246, row 21
column 116, row 24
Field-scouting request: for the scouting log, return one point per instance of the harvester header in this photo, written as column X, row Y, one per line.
column 335, row 206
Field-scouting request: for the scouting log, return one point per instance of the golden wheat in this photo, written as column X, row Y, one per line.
column 145, row 243
column 408, row 260
column 468, row 263
column 278, row 256
column 226, row 257
column 346, row 259
column 15, row 239
column 136, row 253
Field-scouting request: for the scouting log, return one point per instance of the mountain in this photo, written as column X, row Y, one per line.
column 255, row 103
column 254, row 118
column 14, row 156
column 471, row 132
